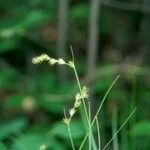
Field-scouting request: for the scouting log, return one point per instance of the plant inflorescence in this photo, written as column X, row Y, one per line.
column 79, row 100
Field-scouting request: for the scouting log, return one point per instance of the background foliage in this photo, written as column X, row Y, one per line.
column 32, row 98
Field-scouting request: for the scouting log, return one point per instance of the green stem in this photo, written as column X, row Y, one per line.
column 90, row 131
column 99, row 108
column 83, row 142
column 120, row 128
column 70, row 136
column 85, row 109
column 79, row 86
column 83, row 100
column 98, row 133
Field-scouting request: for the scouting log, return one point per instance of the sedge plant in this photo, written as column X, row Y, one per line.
column 81, row 98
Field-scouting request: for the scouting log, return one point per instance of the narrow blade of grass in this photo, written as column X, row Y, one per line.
column 90, row 131
column 120, row 128
column 103, row 100
column 99, row 108
column 71, row 140
column 98, row 133
column 69, row 131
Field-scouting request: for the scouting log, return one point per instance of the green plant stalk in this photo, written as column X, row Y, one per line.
column 98, row 133
column 83, row 100
column 79, row 86
column 78, row 82
column 84, row 105
column 120, row 128
column 90, row 131
column 99, row 108
column 69, row 131
column 70, row 136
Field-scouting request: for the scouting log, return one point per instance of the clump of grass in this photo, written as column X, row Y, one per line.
column 80, row 100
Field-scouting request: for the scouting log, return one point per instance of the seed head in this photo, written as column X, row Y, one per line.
column 72, row 112
column 40, row 59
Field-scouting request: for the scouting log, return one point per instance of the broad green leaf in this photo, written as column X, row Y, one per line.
column 14, row 101
column 54, row 97
column 60, row 130
column 12, row 127
column 46, row 82
column 34, row 18
column 10, row 35
column 8, row 78
column 67, row 88
column 53, row 103
column 7, row 45
column 20, row 102
column 35, row 142
column 29, row 142
column 2, row 146
column 141, row 129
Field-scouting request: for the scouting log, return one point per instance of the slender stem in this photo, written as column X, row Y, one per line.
column 78, row 82
column 90, row 131
column 71, row 140
column 69, row 131
column 83, row 100
column 83, row 142
column 120, row 128
column 100, row 106
column 79, row 86
column 98, row 133
column 85, row 109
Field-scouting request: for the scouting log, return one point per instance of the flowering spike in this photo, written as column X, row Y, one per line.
column 40, row 59
column 61, row 61
column 72, row 112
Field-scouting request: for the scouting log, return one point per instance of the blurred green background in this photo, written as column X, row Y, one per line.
column 108, row 37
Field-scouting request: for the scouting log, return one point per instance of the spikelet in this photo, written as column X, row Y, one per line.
column 40, row 59
column 79, row 96
column 83, row 94
column 51, row 61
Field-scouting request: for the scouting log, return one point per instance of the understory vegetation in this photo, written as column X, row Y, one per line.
column 98, row 100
